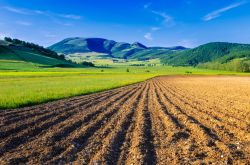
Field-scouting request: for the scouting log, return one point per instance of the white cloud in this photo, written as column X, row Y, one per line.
column 217, row 13
column 167, row 19
column 15, row 10
column 24, row 23
column 70, row 16
column 155, row 28
column 26, row 11
column 40, row 12
column 148, row 36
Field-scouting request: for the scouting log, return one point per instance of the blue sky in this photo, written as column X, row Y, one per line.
column 154, row 23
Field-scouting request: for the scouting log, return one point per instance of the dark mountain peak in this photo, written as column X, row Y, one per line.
column 111, row 48
column 139, row 45
column 95, row 39
column 178, row 48
column 71, row 38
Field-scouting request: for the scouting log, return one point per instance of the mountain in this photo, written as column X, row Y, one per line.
column 110, row 48
column 215, row 55
column 21, row 53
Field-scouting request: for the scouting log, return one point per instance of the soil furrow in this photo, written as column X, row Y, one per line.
column 37, row 112
column 178, row 136
column 111, row 152
column 92, row 114
column 81, row 140
column 164, row 120
column 219, row 124
column 57, row 109
column 59, row 104
column 49, row 106
column 204, row 101
column 227, row 139
column 199, row 105
column 216, row 143
column 18, row 127
column 142, row 150
column 188, row 133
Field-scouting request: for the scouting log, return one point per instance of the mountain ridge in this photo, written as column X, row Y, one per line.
column 112, row 48
column 213, row 55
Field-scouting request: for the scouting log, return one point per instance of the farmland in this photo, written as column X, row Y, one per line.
column 171, row 119
column 29, row 86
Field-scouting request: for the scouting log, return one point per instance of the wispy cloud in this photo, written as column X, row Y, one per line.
column 70, row 16
column 148, row 36
column 24, row 23
column 15, row 10
column 40, row 12
column 217, row 13
column 155, row 28
column 167, row 19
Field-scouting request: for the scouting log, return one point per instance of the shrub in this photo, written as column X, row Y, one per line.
column 85, row 63
column 188, row 72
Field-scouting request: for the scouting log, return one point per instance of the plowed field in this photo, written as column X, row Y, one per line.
column 165, row 120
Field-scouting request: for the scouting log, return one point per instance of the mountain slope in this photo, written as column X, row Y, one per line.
column 111, row 48
column 21, row 53
column 212, row 53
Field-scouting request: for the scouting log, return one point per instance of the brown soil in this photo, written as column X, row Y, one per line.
column 165, row 120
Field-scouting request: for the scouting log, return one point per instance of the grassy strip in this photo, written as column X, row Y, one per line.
column 19, row 92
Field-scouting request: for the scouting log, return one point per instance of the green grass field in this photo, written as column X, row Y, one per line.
column 32, row 86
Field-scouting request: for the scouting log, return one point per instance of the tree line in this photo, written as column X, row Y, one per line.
column 38, row 48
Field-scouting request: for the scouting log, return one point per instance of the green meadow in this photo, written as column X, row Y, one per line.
column 24, row 85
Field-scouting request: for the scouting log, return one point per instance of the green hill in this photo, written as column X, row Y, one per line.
column 16, row 54
column 110, row 48
column 216, row 55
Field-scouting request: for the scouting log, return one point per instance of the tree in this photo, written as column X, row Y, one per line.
column 245, row 67
column 8, row 39
column 35, row 47
column 17, row 41
column 85, row 63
